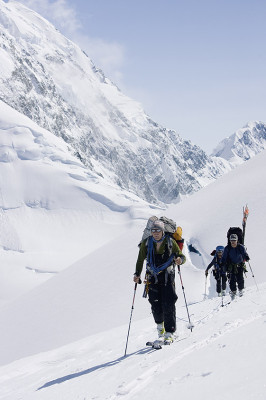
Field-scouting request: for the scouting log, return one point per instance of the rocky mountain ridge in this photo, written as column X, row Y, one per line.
column 244, row 144
column 51, row 80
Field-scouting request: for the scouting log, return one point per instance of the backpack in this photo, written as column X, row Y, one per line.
column 170, row 229
column 177, row 235
column 169, row 225
column 238, row 231
column 174, row 231
column 147, row 230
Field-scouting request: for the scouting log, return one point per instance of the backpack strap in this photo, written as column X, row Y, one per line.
column 151, row 267
column 170, row 244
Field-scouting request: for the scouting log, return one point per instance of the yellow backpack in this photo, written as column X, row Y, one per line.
column 177, row 235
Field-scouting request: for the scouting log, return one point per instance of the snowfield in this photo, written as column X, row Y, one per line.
column 68, row 251
column 223, row 358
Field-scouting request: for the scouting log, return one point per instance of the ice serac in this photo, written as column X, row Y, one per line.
column 51, row 80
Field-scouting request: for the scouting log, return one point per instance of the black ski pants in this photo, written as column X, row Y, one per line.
column 220, row 282
column 162, row 298
column 236, row 278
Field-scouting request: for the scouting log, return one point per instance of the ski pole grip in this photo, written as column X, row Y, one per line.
column 140, row 281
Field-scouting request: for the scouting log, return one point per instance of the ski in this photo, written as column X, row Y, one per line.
column 244, row 221
column 156, row 344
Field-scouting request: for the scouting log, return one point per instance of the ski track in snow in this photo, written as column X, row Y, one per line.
column 144, row 379
column 129, row 376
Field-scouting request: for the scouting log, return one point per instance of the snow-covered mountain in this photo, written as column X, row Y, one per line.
column 50, row 205
column 244, row 144
column 48, row 78
column 69, row 234
column 66, row 338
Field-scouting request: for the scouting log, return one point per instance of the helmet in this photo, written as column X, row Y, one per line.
column 219, row 249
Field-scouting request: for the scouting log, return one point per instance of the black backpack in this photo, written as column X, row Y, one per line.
column 236, row 230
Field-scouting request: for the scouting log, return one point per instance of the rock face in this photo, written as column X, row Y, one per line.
column 51, row 80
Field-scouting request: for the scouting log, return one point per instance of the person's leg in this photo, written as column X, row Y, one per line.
column 240, row 278
column 232, row 285
column 169, row 298
column 232, row 282
column 218, row 284
column 224, row 282
column 155, row 300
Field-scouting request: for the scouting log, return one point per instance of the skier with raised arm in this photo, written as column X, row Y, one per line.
column 233, row 260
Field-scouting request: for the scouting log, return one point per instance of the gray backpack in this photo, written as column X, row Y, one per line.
column 169, row 226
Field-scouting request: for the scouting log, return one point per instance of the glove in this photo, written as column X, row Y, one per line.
column 137, row 279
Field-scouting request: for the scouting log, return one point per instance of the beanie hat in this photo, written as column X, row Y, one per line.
column 219, row 249
column 158, row 225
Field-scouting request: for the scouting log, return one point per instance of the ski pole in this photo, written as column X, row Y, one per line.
column 205, row 295
column 253, row 275
column 132, row 308
column 190, row 324
column 222, row 300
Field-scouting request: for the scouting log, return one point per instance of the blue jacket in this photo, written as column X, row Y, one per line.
column 235, row 255
column 217, row 264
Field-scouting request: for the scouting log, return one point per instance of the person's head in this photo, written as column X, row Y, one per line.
column 219, row 251
column 157, row 230
column 233, row 239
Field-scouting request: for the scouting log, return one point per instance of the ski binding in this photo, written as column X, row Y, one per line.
column 157, row 344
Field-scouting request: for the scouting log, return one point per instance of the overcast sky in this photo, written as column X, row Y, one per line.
column 197, row 66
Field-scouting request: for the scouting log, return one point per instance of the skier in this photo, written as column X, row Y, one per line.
column 161, row 252
column 218, row 271
column 233, row 260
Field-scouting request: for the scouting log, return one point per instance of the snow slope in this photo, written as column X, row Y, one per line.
column 66, row 337
column 68, row 252
column 50, row 206
column 222, row 358
column 207, row 215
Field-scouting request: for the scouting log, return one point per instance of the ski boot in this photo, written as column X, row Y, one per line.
column 232, row 294
column 223, row 292
column 168, row 338
column 241, row 292
column 161, row 331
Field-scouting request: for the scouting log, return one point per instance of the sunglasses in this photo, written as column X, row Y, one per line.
column 156, row 230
